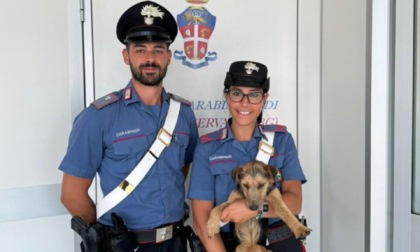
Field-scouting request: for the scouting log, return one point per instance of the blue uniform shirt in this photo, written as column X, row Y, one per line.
column 111, row 141
column 218, row 153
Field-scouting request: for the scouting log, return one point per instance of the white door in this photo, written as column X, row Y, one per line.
column 40, row 72
column 415, row 216
column 406, row 175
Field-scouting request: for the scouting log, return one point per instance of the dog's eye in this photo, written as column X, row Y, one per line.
column 260, row 186
column 246, row 186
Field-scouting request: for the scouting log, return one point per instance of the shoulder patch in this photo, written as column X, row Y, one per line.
column 274, row 128
column 279, row 176
column 179, row 99
column 213, row 136
column 105, row 100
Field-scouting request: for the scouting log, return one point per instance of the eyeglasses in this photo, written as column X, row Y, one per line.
column 236, row 95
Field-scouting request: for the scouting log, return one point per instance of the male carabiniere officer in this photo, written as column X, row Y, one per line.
column 139, row 140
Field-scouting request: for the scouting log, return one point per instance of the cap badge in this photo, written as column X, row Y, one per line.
column 249, row 67
column 150, row 12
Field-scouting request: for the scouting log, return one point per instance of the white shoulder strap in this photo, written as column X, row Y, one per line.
column 265, row 151
column 163, row 139
column 265, row 148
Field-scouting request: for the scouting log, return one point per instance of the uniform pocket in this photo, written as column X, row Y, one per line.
column 131, row 150
column 177, row 149
column 224, row 184
column 222, row 167
column 181, row 140
column 131, row 145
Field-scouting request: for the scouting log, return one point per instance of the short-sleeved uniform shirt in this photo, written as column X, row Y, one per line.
column 218, row 153
column 111, row 139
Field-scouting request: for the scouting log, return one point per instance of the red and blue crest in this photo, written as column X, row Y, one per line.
column 196, row 25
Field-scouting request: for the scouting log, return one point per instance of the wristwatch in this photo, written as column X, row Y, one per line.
column 262, row 211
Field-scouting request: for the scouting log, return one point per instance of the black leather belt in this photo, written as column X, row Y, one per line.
column 276, row 234
column 159, row 234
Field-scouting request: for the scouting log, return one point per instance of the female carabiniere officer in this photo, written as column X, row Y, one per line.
column 219, row 152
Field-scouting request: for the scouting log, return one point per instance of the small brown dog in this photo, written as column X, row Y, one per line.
column 256, row 183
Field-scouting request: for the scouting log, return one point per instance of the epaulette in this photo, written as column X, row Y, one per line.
column 180, row 99
column 215, row 135
column 105, row 100
column 274, row 128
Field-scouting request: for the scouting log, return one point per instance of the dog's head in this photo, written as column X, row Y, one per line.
column 254, row 181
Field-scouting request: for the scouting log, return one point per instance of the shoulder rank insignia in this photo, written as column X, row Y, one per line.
column 215, row 135
column 179, row 99
column 273, row 128
column 105, row 100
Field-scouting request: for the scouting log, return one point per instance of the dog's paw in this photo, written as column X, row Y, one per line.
column 301, row 231
column 212, row 228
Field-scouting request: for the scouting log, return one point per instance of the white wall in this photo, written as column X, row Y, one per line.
column 379, row 136
column 36, row 109
column 343, row 125
column 309, row 113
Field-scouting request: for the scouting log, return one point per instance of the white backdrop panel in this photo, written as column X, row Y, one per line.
column 264, row 31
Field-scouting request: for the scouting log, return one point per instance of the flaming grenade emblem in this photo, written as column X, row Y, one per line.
column 249, row 67
column 150, row 12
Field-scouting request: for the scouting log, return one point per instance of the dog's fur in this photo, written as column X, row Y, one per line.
column 256, row 183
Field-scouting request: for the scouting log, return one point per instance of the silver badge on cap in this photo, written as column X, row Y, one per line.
column 249, row 67
column 150, row 12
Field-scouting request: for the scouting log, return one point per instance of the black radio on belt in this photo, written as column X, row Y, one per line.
column 121, row 240
column 100, row 238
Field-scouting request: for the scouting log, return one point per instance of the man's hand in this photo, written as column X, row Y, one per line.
column 238, row 212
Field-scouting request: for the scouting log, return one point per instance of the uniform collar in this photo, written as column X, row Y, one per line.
column 165, row 96
column 258, row 132
column 227, row 132
column 129, row 95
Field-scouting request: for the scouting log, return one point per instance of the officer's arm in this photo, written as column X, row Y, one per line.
column 185, row 170
column 75, row 197
column 201, row 212
column 291, row 193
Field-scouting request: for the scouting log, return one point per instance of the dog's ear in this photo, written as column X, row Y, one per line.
column 236, row 174
column 272, row 171
column 274, row 175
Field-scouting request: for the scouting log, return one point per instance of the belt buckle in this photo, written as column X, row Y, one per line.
column 267, row 148
column 164, row 233
column 127, row 187
column 164, row 136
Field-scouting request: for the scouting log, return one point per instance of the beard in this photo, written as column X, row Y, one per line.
column 149, row 79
